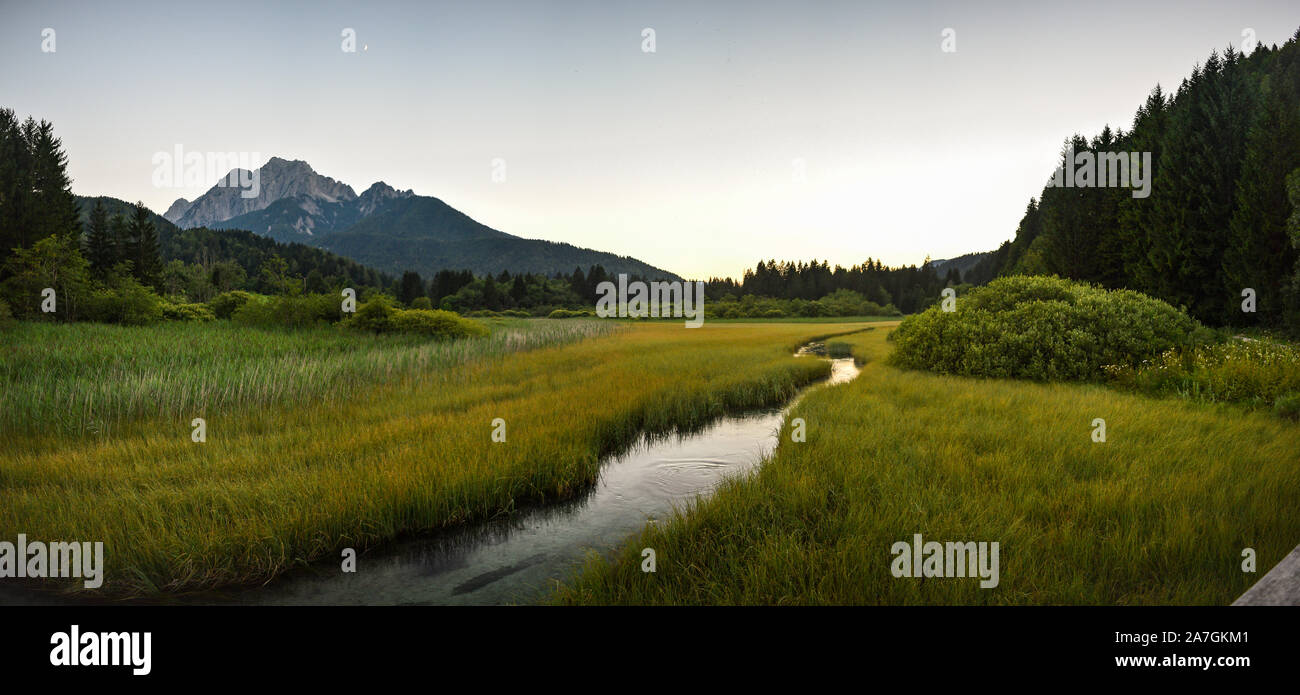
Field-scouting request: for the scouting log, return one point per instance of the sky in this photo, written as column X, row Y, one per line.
column 790, row 130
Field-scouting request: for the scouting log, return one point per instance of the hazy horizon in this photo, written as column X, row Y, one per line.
column 684, row 158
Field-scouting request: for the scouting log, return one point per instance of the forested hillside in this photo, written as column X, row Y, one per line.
column 1223, row 214
column 206, row 247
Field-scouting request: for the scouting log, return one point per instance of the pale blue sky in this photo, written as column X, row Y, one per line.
column 683, row 158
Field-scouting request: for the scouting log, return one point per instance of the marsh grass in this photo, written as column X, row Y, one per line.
column 1158, row 514
column 280, row 483
column 80, row 379
column 1252, row 372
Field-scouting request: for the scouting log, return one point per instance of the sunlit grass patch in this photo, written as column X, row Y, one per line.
column 406, row 447
column 1158, row 514
column 86, row 378
column 1254, row 372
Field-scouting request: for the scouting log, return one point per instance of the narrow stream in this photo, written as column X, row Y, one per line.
column 518, row 559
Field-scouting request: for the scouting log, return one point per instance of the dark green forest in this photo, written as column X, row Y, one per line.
column 1223, row 213
column 908, row 289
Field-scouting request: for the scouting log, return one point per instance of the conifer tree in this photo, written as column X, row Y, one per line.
column 99, row 247
column 411, row 287
column 144, row 249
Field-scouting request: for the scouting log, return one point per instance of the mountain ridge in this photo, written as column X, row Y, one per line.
column 389, row 229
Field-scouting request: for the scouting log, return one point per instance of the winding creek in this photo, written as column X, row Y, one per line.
column 518, row 559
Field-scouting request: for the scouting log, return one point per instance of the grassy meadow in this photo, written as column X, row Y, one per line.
column 90, row 378
column 1157, row 514
column 318, row 441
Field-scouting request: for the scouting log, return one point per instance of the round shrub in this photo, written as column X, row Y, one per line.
column 130, row 303
column 290, row 310
column 435, row 324
column 1041, row 328
column 375, row 315
column 422, row 303
column 186, row 312
column 226, row 304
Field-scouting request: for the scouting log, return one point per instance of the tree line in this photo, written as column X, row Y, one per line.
column 906, row 288
column 1222, row 218
column 109, row 260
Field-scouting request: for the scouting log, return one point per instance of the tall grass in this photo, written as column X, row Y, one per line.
column 1254, row 372
column 278, row 484
column 77, row 379
column 1157, row 514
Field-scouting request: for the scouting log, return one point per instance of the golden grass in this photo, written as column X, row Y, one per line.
column 1158, row 514
column 277, row 485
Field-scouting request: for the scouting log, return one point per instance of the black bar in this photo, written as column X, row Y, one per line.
column 192, row 645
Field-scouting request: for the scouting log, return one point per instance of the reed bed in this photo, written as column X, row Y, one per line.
column 1159, row 513
column 87, row 379
column 402, row 445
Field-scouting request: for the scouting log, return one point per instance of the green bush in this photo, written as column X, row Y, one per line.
column 179, row 311
column 373, row 316
column 53, row 262
column 422, row 303
column 128, row 303
column 435, row 323
column 378, row 315
column 290, row 310
column 1042, row 328
column 570, row 314
column 226, row 304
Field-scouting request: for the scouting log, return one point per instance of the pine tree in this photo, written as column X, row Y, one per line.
column 99, row 248
column 1194, row 190
column 13, row 185
column 144, row 250
column 411, row 287
column 54, row 207
column 1259, row 254
column 1137, row 219
column 124, row 246
column 491, row 294
column 578, row 283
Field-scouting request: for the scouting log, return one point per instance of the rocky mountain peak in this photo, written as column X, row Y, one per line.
column 177, row 210
column 278, row 178
column 378, row 194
